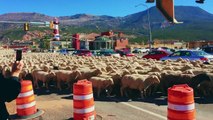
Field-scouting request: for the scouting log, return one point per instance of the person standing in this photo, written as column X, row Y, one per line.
column 9, row 88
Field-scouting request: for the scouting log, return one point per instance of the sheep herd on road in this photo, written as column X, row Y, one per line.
column 113, row 75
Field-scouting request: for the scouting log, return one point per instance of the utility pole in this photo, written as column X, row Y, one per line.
column 149, row 24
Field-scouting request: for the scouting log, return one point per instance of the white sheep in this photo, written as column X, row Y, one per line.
column 43, row 76
column 102, row 83
column 139, row 82
column 88, row 73
column 66, row 76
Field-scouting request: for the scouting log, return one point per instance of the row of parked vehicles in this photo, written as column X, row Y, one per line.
column 190, row 54
column 162, row 53
column 104, row 52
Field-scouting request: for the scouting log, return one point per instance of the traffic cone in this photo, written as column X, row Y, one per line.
column 25, row 103
column 83, row 101
column 181, row 103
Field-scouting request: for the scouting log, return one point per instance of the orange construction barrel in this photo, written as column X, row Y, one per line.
column 83, row 101
column 25, row 102
column 181, row 103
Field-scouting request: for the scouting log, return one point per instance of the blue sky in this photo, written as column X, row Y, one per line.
column 94, row 7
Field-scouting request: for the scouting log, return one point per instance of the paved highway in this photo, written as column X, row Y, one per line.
column 60, row 107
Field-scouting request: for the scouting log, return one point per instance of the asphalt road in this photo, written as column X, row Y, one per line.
column 59, row 106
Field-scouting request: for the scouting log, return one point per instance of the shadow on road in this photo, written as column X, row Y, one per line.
column 44, row 91
column 204, row 100
column 98, row 117
column 70, row 97
column 70, row 119
column 158, row 99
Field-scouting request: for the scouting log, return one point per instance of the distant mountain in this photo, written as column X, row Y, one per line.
column 186, row 14
column 25, row 17
column 192, row 14
column 89, row 20
column 194, row 18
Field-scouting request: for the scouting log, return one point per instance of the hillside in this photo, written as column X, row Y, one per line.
column 197, row 25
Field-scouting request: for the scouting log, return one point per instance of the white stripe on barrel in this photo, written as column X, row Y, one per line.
column 26, row 94
column 86, row 110
column 28, row 105
column 181, row 107
column 83, row 97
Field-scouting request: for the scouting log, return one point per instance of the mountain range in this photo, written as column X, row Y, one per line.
column 196, row 22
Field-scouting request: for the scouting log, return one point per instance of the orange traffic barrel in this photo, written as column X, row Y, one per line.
column 83, row 101
column 181, row 103
column 25, row 102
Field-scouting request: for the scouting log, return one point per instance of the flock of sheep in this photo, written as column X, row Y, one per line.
column 113, row 75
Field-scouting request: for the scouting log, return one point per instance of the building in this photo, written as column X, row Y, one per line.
column 198, row 44
column 19, row 44
column 93, row 41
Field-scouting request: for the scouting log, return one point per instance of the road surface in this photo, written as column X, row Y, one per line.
column 60, row 107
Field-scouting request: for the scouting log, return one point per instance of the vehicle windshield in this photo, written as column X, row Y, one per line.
column 208, row 49
column 200, row 53
column 154, row 52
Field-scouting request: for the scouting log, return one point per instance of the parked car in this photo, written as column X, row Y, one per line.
column 108, row 52
column 208, row 49
column 190, row 55
column 83, row 53
column 63, row 51
column 140, row 50
column 157, row 54
column 125, row 53
column 167, row 49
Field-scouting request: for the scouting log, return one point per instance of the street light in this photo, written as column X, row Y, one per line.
column 148, row 17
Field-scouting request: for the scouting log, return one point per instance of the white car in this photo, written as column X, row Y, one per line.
column 140, row 50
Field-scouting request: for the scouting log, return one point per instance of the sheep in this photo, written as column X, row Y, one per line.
column 168, row 80
column 155, row 69
column 174, row 79
column 205, row 89
column 23, row 73
column 66, row 76
column 102, row 83
column 6, row 71
column 168, row 68
column 116, row 77
column 151, row 80
column 88, row 73
column 139, row 82
column 186, row 67
column 109, row 68
column 43, row 76
column 198, row 71
column 45, row 68
column 198, row 83
column 114, row 67
column 188, row 72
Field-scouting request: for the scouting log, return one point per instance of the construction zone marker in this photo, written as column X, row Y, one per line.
column 25, row 103
column 181, row 103
column 83, row 101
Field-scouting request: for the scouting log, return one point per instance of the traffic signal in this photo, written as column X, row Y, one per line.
column 150, row 1
column 26, row 26
column 51, row 25
column 166, row 7
column 199, row 1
